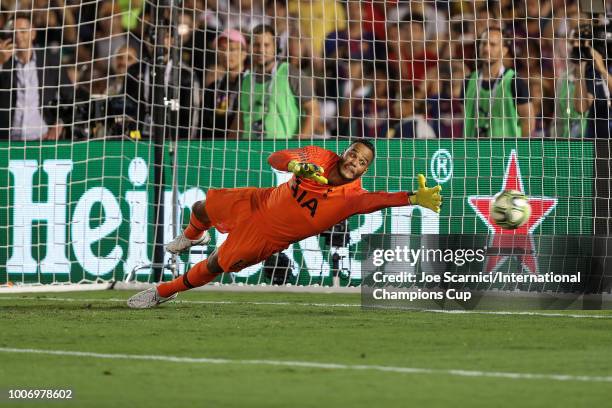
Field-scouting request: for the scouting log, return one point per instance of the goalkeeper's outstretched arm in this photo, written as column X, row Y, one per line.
column 368, row 202
column 427, row 197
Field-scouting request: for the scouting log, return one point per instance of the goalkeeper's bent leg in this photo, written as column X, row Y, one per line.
column 199, row 275
column 199, row 222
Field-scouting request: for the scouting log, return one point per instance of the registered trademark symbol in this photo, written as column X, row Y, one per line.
column 441, row 166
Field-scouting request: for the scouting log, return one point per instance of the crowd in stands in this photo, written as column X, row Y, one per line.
column 280, row 69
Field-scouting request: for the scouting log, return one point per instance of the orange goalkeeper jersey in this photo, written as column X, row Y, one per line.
column 301, row 208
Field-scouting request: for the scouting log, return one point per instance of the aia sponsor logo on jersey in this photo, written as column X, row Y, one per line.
column 300, row 197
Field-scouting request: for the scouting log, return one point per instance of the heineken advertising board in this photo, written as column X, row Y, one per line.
column 84, row 211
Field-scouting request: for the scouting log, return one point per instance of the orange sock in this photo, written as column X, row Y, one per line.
column 196, row 228
column 198, row 275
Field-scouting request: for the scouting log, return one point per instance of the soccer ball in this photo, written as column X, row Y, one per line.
column 510, row 209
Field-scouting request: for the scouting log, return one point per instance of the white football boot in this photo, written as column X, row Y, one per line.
column 182, row 243
column 147, row 299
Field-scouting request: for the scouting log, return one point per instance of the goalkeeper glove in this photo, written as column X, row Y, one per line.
column 307, row 170
column 427, row 197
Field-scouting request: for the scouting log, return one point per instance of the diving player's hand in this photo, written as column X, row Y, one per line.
column 427, row 197
column 307, row 170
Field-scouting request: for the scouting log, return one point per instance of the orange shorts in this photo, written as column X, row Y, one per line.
column 232, row 210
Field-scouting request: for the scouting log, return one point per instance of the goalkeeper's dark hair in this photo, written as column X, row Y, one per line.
column 366, row 143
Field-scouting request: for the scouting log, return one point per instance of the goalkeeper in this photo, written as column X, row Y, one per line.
column 325, row 190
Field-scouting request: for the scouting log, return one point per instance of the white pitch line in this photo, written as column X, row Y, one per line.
column 332, row 305
column 309, row 364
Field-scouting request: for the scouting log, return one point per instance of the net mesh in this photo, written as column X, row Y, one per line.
column 113, row 112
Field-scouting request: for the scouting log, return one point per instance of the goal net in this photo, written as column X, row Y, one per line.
column 117, row 115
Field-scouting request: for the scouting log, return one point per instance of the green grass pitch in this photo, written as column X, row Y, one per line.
column 462, row 359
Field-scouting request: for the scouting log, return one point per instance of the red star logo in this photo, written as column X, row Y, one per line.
column 519, row 240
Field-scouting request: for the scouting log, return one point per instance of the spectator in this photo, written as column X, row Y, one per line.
column 185, row 31
column 536, row 95
column 278, row 15
column 110, row 35
column 462, row 38
column 298, row 53
column 374, row 15
column 56, row 24
column 496, row 102
column 80, row 78
column 505, row 10
column 140, row 90
column 371, row 117
column 423, row 51
column 534, row 60
column 126, row 57
column 241, row 15
column 300, row 57
column 208, row 14
column 207, row 26
column 444, row 108
column 31, row 82
column 91, row 113
column 7, row 46
column 131, row 11
column 568, row 121
column 85, row 14
column 407, row 52
column 220, row 102
column 276, row 100
column 317, row 19
column 353, row 88
column 354, row 40
column 533, row 18
column 593, row 95
column 344, row 51
column 4, row 16
column 410, row 122
column 564, row 25
column 435, row 21
column 117, row 119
